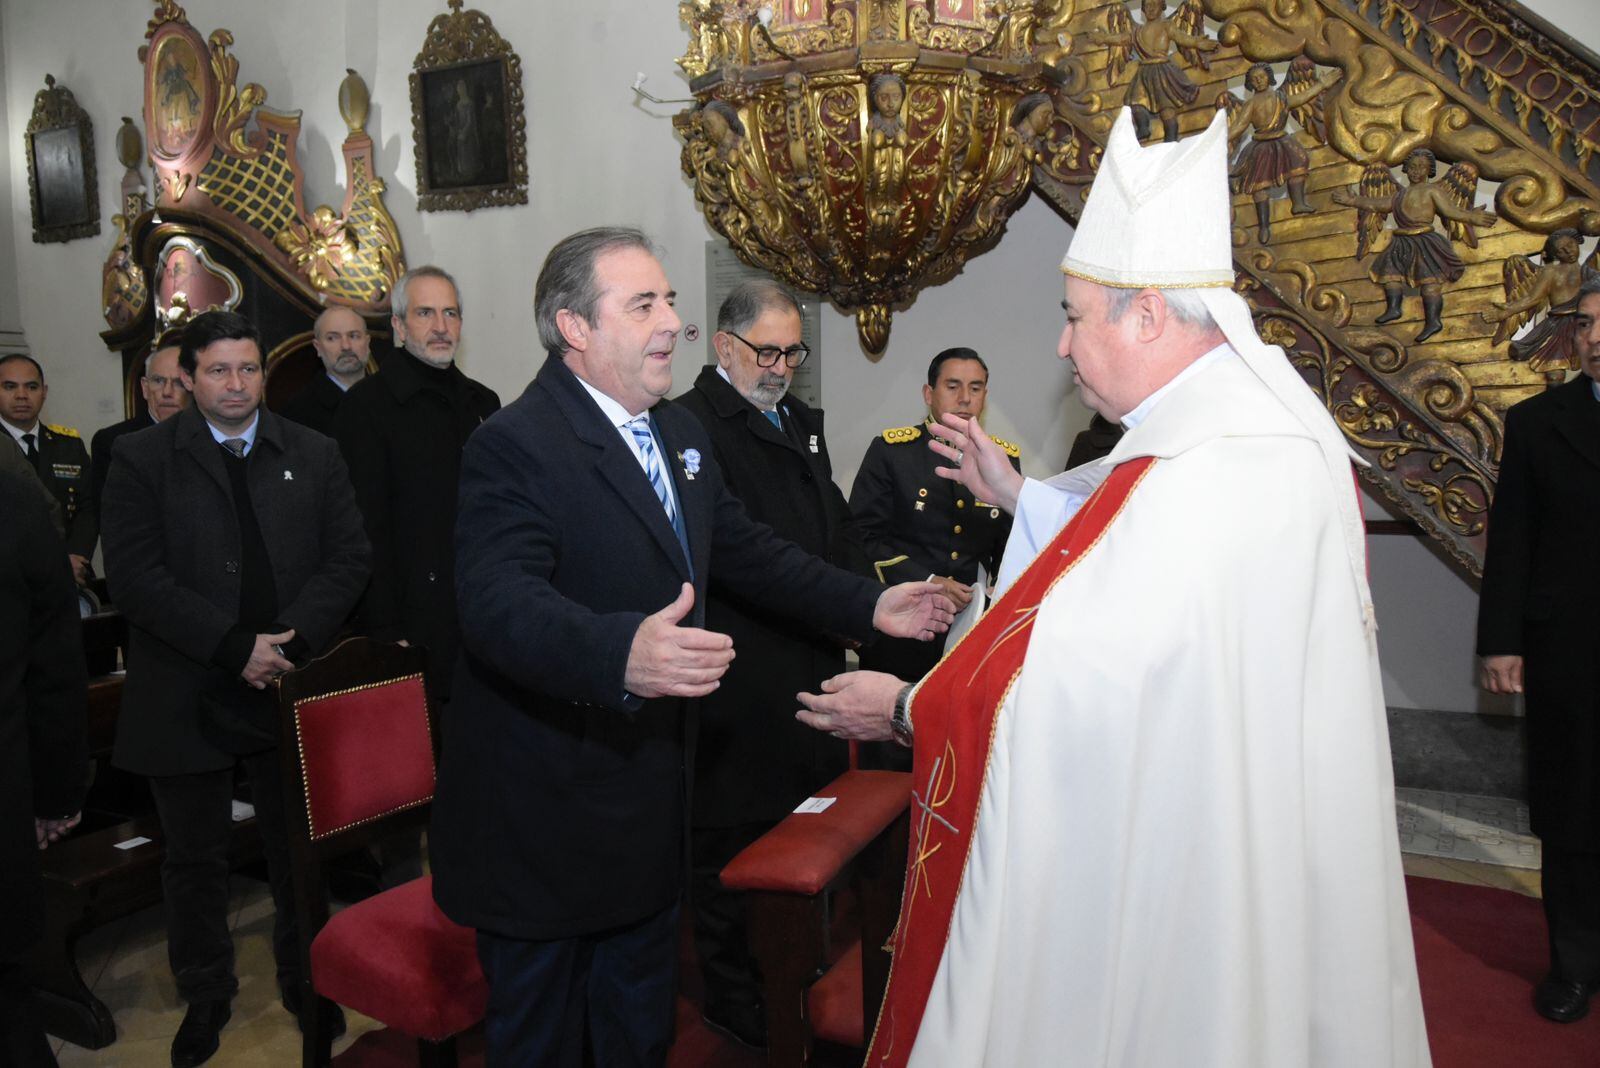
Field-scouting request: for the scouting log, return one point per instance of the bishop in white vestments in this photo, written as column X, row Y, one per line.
column 1154, row 812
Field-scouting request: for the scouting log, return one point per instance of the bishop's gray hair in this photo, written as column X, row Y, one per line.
column 1184, row 305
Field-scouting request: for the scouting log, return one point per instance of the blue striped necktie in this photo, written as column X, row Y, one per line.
column 639, row 426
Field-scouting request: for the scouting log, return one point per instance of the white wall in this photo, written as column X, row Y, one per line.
column 595, row 156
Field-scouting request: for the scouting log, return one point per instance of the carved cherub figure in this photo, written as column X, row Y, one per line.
column 1158, row 87
column 1033, row 118
column 1272, row 158
column 1551, row 344
column 1418, row 256
column 723, row 128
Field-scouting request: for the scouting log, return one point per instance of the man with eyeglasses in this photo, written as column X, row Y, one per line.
column 339, row 338
column 754, row 763
column 916, row 525
column 164, row 397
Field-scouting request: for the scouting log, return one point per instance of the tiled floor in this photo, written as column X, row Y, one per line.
column 125, row 964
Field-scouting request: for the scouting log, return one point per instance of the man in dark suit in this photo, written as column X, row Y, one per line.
column 1537, row 619
column 339, row 337
column 774, row 458
column 234, row 548
column 401, row 432
column 591, row 519
column 164, row 397
column 43, row 758
column 55, row 453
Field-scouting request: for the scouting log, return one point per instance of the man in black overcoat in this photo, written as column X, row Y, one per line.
column 753, row 760
column 340, row 340
column 401, row 431
column 43, row 757
column 592, row 517
column 234, row 548
column 164, row 397
column 1538, row 617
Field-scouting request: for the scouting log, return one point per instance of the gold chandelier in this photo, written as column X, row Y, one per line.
column 863, row 149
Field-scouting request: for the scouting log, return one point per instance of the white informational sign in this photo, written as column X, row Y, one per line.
column 724, row 270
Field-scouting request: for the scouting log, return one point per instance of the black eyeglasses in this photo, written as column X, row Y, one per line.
column 767, row 355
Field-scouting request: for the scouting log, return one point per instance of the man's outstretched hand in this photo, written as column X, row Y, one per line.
column 919, row 610
column 857, row 705
column 667, row 660
column 976, row 461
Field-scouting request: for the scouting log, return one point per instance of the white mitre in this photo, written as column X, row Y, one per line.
column 1161, row 217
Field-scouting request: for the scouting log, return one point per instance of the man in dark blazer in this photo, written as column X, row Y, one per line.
column 591, row 519
column 1537, row 619
column 43, row 757
column 235, row 549
column 773, row 456
column 401, row 432
column 164, row 397
column 339, row 338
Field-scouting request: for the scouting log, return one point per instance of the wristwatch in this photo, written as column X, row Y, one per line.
column 900, row 721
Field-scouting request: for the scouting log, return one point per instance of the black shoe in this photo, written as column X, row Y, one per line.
column 1563, row 1000
column 332, row 1014
column 197, row 1037
column 742, row 1022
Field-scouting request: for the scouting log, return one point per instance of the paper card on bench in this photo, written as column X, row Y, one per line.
column 815, row 804
column 132, row 842
column 243, row 810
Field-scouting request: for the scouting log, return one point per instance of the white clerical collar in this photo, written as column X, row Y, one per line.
column 1142, row 412
column 612, row 408
column 248, row 433
column 17, row 432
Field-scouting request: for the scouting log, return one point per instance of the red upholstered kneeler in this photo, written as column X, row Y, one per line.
column 859, row 841
column 358, row 761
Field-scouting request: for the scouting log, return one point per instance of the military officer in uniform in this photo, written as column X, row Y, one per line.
column 916, row 525
column 56, row 453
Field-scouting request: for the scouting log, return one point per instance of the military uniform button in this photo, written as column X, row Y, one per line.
column 961, row 504
column 958, row 528
column 955, row 555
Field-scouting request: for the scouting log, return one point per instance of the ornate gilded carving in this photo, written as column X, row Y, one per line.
column 1551, row 346
column 317, row 247
column 123, row 290
column 1273, row 158
column 870, row 172
column 1159, row 87
column 469, row 129
column 62, row 192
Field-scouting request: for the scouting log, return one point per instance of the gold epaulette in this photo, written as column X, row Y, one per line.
column 64, row 431
column 1010, row 449
column 899, row 435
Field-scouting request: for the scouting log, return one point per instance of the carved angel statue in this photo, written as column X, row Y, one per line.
column 1418, row 256
column 1158, row 86
column 723, row 128
column 1272, row 158
column 1033, row 118
column 1552, row 344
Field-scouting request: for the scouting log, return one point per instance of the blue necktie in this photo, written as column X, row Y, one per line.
column 772, row 417
column 639, row 426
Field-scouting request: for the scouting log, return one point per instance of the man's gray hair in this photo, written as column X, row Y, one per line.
column 744, row 305
column 1591, row 284
column 399, row 301
column 567, row 278
column 1184, row 305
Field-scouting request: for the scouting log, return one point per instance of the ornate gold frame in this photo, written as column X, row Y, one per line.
column 459, row 41
column 55, row 108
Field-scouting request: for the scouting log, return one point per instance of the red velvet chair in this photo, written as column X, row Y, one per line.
column 358, row 759
column 817, row 992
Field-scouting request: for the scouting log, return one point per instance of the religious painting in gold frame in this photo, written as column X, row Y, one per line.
column 469, row 128
column 62, row 188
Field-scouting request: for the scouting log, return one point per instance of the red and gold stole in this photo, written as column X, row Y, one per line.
column 954, row 711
